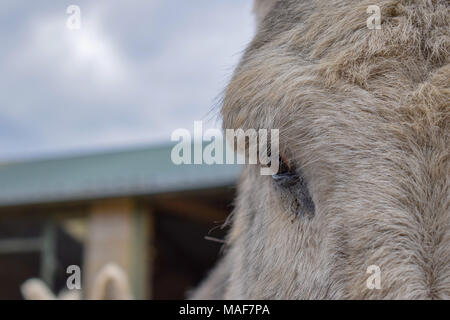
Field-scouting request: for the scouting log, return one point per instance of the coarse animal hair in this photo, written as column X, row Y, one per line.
column 364, row 121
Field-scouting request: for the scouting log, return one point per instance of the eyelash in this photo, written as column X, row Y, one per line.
column 293, row 185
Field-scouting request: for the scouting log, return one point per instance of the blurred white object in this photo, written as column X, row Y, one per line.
column 111, row 283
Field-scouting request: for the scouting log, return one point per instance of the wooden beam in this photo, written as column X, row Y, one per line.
column 118, row 233
column 48, row 254
column 20, row 245
column 144, row 252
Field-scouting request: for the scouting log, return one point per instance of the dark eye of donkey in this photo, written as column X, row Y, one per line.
column 292, row 185
column 286, row 174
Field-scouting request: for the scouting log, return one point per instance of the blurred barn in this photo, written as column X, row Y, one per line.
column 132, row 207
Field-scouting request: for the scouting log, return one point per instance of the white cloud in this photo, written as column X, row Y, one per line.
column 87, row 55
column 135, row 72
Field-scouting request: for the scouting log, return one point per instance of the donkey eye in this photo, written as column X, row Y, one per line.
column 293, row 189
column 286, row 174
column 284, row 165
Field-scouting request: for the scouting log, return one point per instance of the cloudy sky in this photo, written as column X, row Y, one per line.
column 133, row 73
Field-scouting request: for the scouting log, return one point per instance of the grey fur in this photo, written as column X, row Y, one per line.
column 364, row 114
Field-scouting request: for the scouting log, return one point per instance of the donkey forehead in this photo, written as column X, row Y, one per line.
column 319, row 74
column 280, row 77
column 276, row 90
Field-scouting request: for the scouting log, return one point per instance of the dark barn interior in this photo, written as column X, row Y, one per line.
column 165, row 236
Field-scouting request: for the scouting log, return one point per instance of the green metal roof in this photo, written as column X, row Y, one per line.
column 142, row 171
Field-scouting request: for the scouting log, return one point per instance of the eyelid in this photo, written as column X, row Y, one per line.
column 286, row 179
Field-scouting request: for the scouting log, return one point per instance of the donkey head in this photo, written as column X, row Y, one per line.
column 363, row 184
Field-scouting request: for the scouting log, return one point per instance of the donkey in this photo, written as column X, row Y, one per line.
column 363, row 182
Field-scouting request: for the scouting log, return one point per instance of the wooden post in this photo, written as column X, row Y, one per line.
column 144, row 253
column 118, row 233
column 48, row 254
